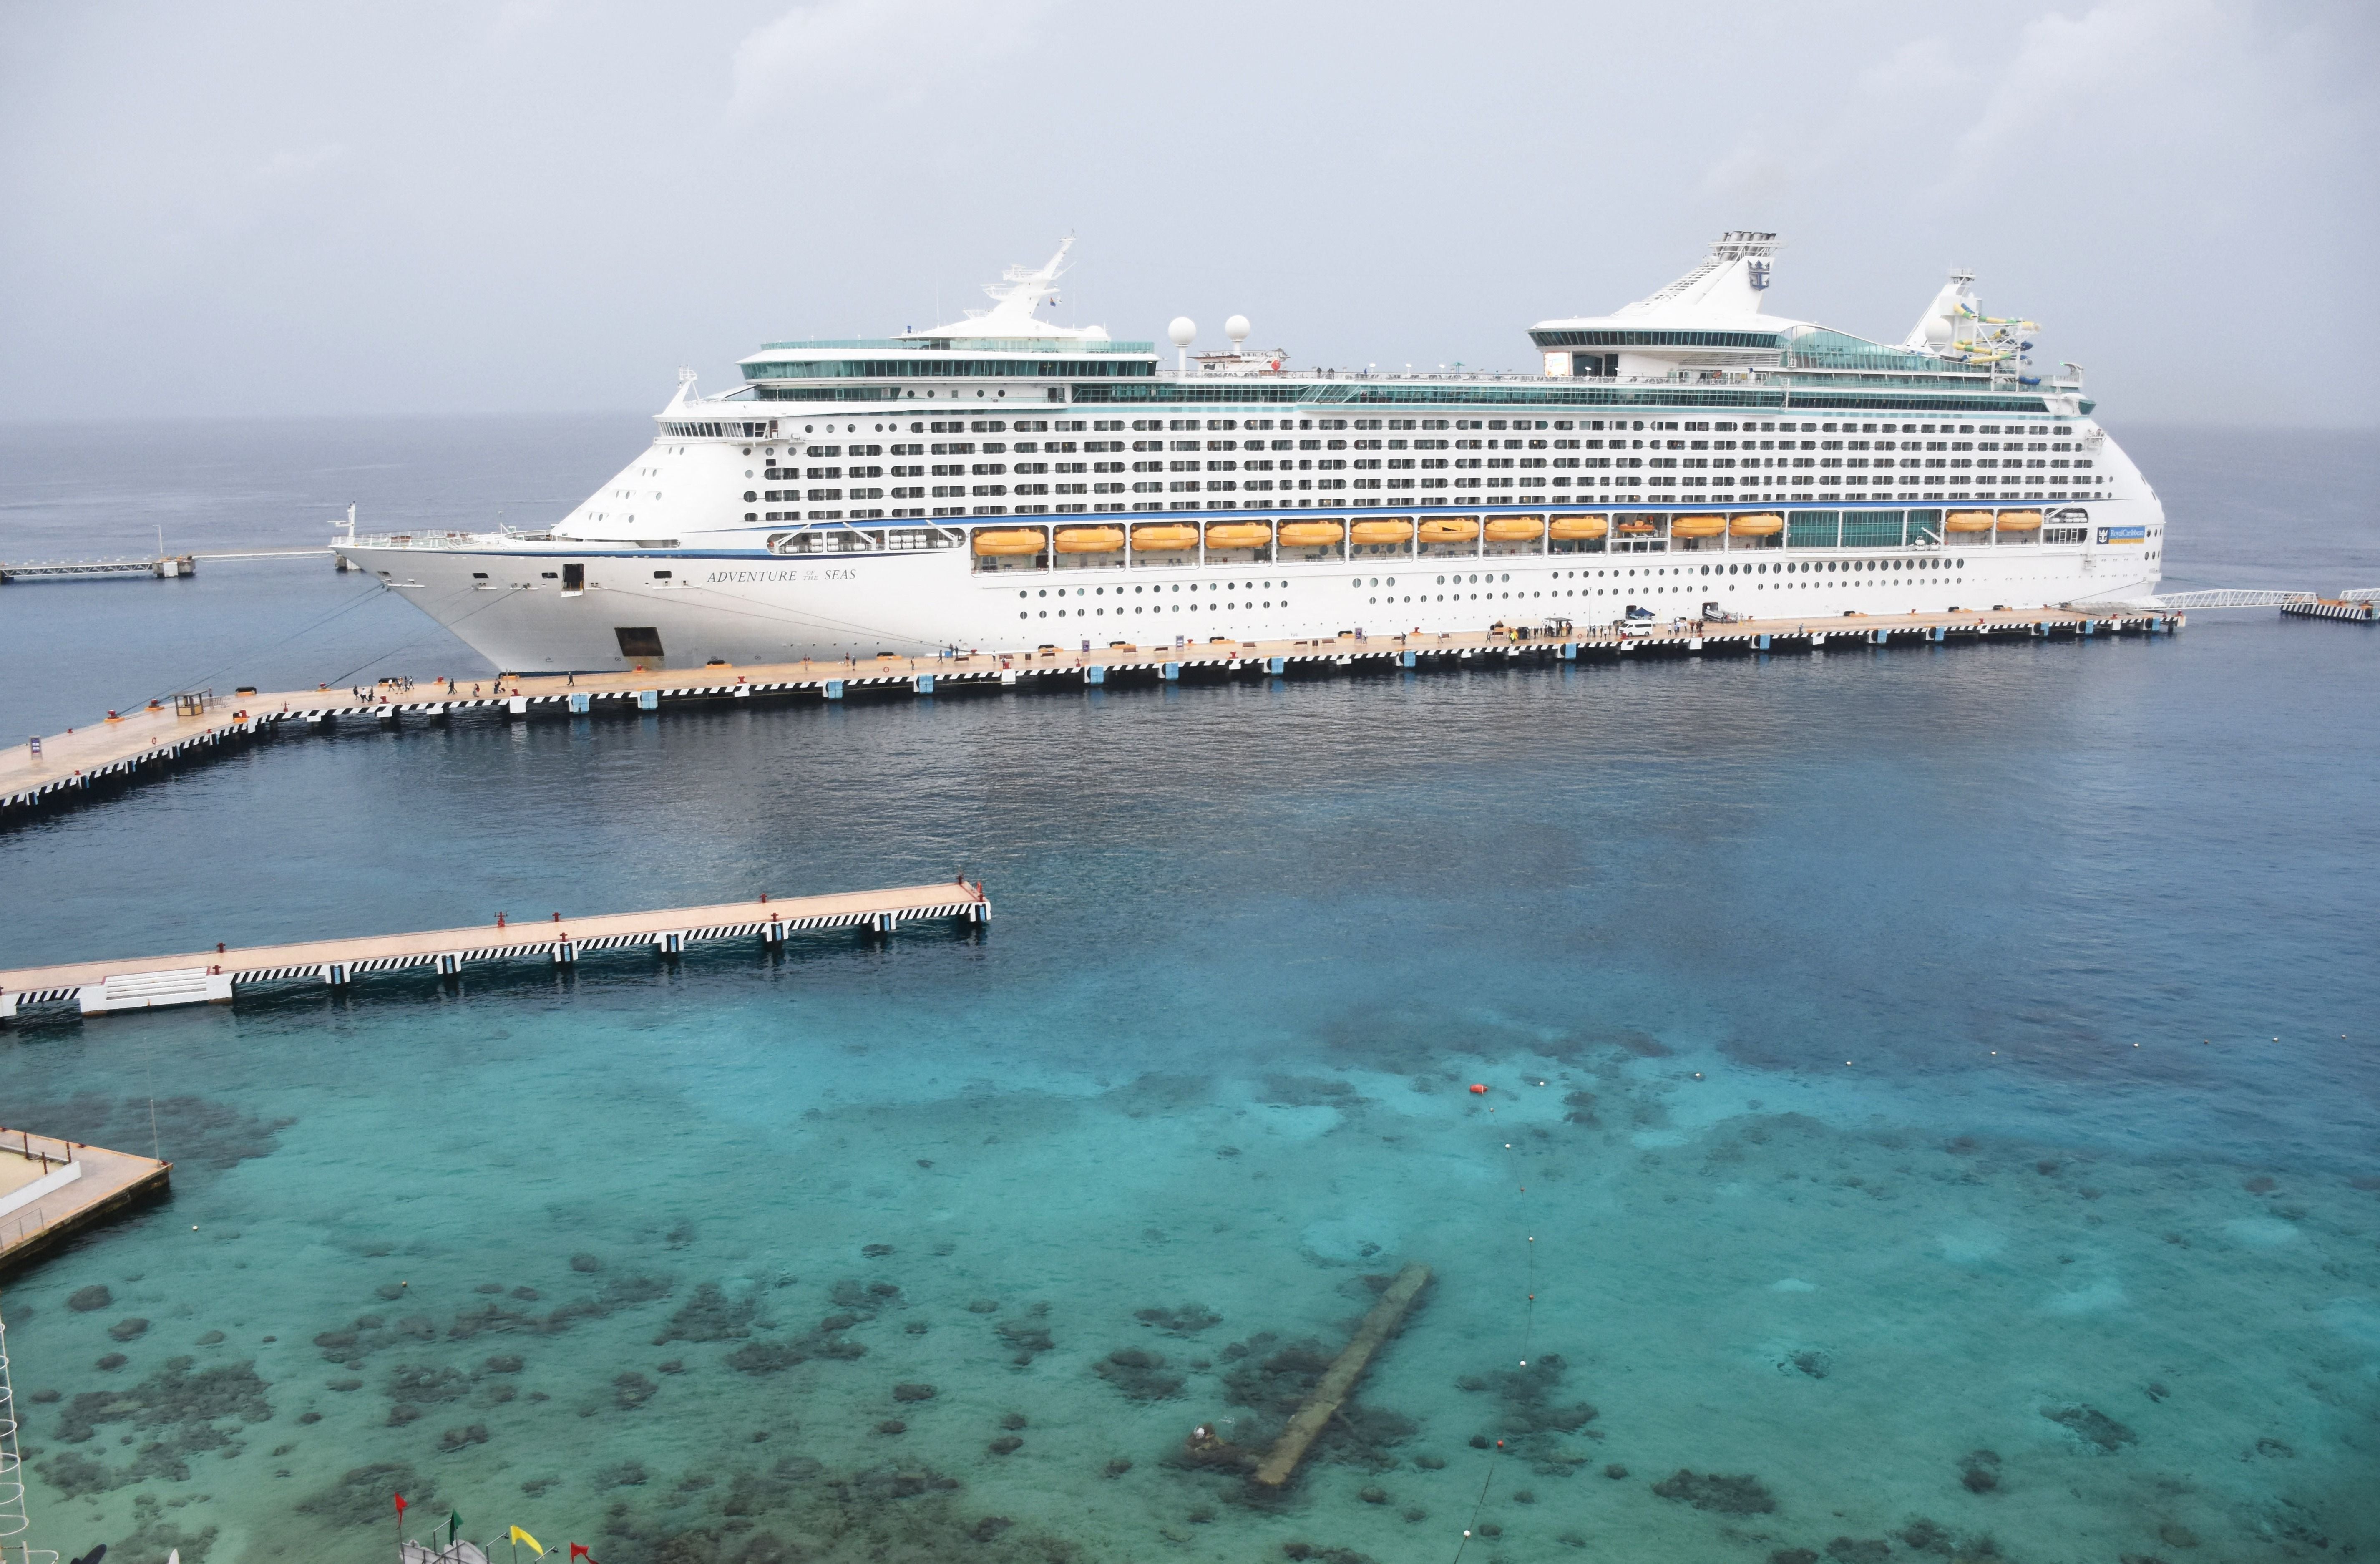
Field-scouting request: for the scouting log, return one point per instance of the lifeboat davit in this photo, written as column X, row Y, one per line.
column 1010, row 540
column 1516, row 528
column 1450, row 529
column 1089, row 539
column 1967, row 521
column 2020, row 521
column 1397, row 531
column 1755, row 525
column 1238, row 535
column 1164, row 537
column 1310, row 534
column 1579, row 528
column 1697, row 525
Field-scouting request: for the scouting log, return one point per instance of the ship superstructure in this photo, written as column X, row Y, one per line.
column 1007, row 483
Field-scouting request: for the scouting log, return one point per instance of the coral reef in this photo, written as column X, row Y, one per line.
column 1739, row 1495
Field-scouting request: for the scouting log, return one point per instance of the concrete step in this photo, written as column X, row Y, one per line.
column 152, row 991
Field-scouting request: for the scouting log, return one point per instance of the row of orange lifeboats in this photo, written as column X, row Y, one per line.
column 1174, row 536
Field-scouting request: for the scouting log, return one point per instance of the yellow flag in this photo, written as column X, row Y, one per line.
column 521, row 1537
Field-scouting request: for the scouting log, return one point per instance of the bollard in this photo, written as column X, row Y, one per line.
column 834, row 689
column 648, row 700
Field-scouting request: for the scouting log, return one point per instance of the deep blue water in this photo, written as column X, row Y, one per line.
column 1947, row 1051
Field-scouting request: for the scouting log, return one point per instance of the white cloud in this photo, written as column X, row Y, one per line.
column 888, row 51
column 290, row 167
column 2065, row 64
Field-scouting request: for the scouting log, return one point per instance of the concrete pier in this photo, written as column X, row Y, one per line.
column 52, row 1189
column 216, row 976
column 128, row 748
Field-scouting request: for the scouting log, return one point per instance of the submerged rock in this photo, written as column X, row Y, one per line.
column 1728, row 1495
column 1141, row 1375
column 2091, row 1427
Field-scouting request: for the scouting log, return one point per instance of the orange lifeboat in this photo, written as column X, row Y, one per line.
column 1009, row 540
column 1579, row 528
column 1755, row 526
column 1164, row 537
column 1967, row 521
column 1310, row 534
column 1638, row 527
column 1450, row 529
column 1089, row 539
column 1397, row 531
column 2020, row 521
column 1238, row 535
column 1697, row 526
column 1516, row 528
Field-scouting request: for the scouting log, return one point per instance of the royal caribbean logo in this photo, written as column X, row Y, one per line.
column 1757, row 269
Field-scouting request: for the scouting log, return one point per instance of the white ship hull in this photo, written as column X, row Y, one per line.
column 735, row 603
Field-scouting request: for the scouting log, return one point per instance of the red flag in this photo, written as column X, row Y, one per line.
column 578, row 1551
column 400, row 1504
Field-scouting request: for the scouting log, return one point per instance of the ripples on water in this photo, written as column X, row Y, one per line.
column 1954, row 1119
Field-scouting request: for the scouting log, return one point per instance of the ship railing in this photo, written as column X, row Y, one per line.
column 428, row 541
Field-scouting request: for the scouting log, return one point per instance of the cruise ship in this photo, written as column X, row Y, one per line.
column 1009, row 484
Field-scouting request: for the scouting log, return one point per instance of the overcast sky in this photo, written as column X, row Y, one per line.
column 317, row 207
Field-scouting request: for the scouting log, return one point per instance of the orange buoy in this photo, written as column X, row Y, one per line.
column 1478, row 1091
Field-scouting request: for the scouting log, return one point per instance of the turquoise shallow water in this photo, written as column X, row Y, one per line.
column 1928, row 1101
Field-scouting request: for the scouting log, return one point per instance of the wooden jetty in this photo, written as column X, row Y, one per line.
column 132, row 746
column 52, row 1189
column 100, row 988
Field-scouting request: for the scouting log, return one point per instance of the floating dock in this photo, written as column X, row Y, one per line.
column 216, row 976
column 130, row 747
column 52, row 1189
column 2361, row 612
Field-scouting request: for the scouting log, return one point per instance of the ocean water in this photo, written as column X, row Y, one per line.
column 1931, row 1106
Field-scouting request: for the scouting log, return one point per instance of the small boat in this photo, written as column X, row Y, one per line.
column 1697, row 525
column 1517, row 530
column 1450, row 529
column 1009, row 540
column 2020, row 521
column 1579, row 528
column 1755, row 525
column 1399, row 531
column 1238, row 535
column 1089, row 539
column 1967, row 521
column 1310, row 534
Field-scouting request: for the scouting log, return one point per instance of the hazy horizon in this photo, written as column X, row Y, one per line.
column 272, row 208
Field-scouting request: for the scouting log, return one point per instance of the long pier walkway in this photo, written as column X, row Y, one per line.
column 97, row 988
column 131, row 746
column 51, row 1189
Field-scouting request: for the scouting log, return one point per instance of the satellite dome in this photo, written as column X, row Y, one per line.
column 1237, row 329
column 1184, row 330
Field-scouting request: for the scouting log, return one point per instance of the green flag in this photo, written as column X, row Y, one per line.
column 453, row 1526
